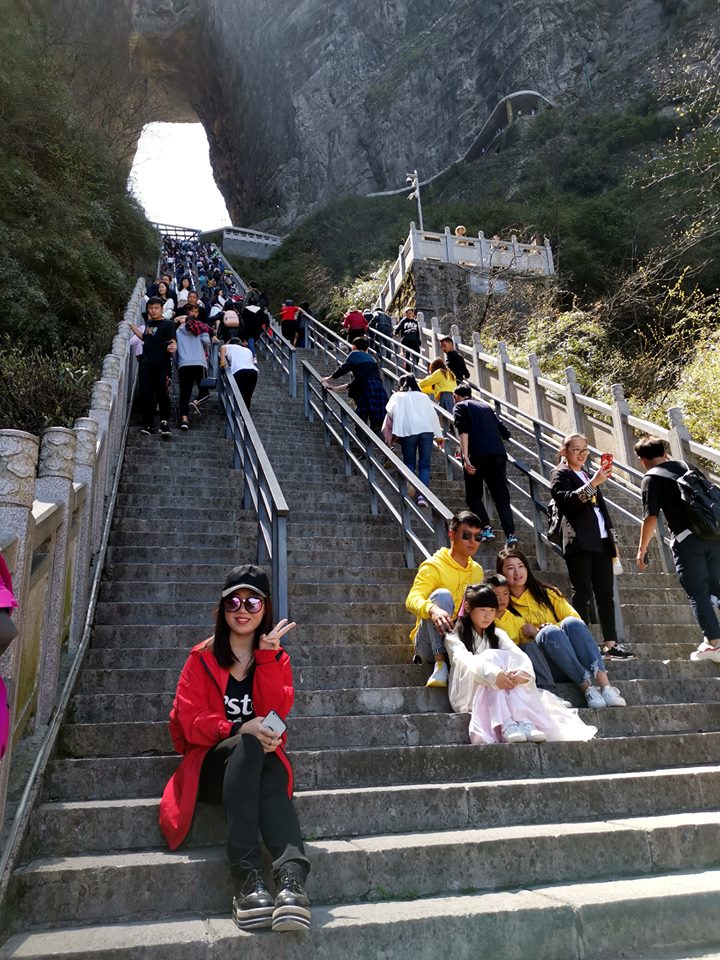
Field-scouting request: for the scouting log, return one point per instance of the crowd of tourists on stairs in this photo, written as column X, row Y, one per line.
column 180, row 327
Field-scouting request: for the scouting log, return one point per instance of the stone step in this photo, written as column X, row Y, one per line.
column 202, row 552
column 313, row 578
column 316, row 733
column 189, row 611
column 211, row 527
column 142, row 658
column 114, row 778
column 125, row 885
column 667, row 614
column 338, row 676
column 603, row 920
column 170, row 537
column 93, row 826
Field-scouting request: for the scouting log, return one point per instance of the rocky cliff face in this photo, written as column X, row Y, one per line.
column 305, row 100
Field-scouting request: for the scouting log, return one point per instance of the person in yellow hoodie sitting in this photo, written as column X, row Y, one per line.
column 440, row 382
column 549, row 620
column 438, row 590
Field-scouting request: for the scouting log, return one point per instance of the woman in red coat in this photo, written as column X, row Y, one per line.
column 228, row 685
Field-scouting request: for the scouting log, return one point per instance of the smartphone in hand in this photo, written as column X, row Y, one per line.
column 274, row 722
column 606, row 461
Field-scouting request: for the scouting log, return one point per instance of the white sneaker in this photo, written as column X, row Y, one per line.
column 612, row 698
column 706, row 651
column 595, row 699
column 532, row 734
column 439, row 676
column 511, row 733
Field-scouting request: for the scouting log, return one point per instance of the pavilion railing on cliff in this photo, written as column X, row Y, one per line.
column 477, row 253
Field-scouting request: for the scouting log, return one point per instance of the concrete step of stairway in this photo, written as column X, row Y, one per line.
column 647, row 677
column 66, row 828
column 315, row 733
column 125, row 885
column 113, row 778
column 620, row 917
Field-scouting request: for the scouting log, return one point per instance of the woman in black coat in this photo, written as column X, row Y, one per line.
column 588, row 543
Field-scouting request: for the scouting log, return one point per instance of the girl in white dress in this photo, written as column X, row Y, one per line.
column 493, row 680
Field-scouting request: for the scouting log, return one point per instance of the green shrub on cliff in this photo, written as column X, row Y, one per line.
column 71, row 237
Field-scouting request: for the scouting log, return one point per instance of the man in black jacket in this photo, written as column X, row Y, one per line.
column 481, row 435
column 453, row 359
column 697, row 561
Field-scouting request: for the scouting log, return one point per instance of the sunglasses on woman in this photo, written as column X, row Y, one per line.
column 251, row 604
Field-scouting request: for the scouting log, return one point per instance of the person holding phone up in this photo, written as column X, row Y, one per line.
column 227, row 721
column 588, row 542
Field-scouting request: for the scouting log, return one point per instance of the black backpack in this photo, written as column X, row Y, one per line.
column 700, row 496
column 383, row 324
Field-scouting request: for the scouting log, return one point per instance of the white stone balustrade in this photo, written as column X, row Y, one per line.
column 478, row 253
column 52, row 505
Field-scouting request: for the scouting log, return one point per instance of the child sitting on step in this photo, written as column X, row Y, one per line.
column 494, row 681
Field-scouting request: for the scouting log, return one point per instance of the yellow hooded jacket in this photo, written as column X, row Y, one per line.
column 440, row 571
column 533, row 612
column 439, row 381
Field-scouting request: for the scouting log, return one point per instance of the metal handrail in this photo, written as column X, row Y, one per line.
column 261, row 488
column 387, row 476
column 542, row 433
column 284, row 354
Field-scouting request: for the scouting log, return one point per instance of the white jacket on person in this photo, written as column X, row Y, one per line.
column 413, row 412
column 468, row 670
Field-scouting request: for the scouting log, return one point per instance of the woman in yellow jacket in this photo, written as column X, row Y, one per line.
column 549, row 620
column 441, row 383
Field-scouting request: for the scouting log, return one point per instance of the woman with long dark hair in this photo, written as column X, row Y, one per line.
column 220, row 724
column 491, row 678
column 556, row 627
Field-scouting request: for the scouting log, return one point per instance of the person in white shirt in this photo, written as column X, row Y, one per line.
column 242, row 365
column 415, row 423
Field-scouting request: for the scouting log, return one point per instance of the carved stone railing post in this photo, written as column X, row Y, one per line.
column 113, row 372
column 100, row 405
column 478, row 364
column 56, row 471
column 537, row 397
column 622, row 435
column 18, row 469
column 574, row 412
column 503, row 376
column 86, row 432
column 679, row 435
column 435, row 335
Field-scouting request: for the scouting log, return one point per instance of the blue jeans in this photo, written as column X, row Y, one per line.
column 428, row 642
column 420, row 445
column 571, row 647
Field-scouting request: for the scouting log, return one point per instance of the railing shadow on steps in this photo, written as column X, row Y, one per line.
column 388, row 478
column 261, row 489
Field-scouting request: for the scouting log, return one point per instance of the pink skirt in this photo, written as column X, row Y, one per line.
column 493, row 708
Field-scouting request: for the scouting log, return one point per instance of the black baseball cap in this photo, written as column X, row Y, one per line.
column 248, row 576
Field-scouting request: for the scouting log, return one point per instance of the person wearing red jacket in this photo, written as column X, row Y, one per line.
column 355, row 323
column 228, row 685
column 289, row 321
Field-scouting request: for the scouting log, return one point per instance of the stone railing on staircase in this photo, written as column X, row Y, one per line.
column 53, row 496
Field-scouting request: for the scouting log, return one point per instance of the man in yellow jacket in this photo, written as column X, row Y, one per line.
column 438, row 590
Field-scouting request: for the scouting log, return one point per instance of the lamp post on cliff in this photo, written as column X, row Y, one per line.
column 413, row 181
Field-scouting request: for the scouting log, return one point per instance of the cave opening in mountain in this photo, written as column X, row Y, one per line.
column 172, row 177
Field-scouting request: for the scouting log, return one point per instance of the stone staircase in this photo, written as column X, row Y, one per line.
column 419, row 842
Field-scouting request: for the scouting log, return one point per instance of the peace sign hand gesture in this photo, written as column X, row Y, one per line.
column 271, row 641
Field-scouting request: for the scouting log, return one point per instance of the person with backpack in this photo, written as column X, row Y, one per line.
column 691, row 507
column 382, row 323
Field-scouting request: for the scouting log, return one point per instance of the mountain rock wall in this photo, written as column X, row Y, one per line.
column 305, row 100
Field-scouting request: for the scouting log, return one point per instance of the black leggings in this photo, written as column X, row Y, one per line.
column 591, row 575
column 188, row 377
column 246, row 381
column 252, row 786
